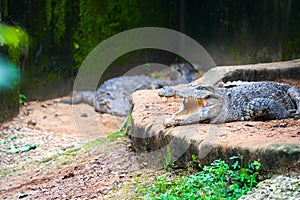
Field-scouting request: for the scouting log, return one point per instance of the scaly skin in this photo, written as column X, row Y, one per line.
column 114, row 95
column 244, row 101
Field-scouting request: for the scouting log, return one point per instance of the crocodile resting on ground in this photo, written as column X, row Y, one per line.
column 244, row 101
column 114, row 95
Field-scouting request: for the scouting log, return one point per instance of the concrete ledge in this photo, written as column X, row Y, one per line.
column 253, row 72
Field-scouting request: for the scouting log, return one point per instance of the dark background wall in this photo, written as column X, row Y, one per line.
column 62, row 32
column 236, row 32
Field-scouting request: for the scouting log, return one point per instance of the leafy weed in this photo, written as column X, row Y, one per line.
column 216, row 181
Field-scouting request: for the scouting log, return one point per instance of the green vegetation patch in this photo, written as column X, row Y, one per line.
column 116, row 135
column 216, row 181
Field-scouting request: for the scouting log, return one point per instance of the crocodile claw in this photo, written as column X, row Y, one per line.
column 297, row 115
column 294, row 113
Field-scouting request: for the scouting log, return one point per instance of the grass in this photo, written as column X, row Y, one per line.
column 73, row 151
column 123, row 131
column 116, row 135
column 216, row 181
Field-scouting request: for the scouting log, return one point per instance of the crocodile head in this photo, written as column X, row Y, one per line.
column 114, row 107
column 198, row 100
column 108, row 102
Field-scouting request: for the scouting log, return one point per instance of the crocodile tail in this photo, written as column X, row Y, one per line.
column 186, row 70
column 66, row 101
column 87, row 97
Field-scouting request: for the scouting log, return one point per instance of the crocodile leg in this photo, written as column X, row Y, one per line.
column 294, row 93
column 264, row 109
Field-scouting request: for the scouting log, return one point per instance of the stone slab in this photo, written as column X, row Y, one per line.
column 253, row 72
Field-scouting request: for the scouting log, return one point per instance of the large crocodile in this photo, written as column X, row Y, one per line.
column 244, row 101
column 114, row 95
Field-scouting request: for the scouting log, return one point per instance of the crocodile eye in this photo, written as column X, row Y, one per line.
column 200, row 87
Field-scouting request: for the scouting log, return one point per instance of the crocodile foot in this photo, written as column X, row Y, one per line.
column 169, row 122
column 294, row 113
column 297, row 114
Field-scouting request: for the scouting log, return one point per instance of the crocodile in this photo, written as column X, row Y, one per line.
column 114, row 95
column 237, row 102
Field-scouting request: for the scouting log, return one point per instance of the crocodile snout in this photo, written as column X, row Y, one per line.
column 166, row 92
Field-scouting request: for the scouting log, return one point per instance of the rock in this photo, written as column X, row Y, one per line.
column 249, row 125
column 278, row 187
column 284, row 124
column 84, row 115
column 21, row 195
column 32, row 122
column 69, row 175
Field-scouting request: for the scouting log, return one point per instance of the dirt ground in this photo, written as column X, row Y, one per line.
column 62, row 166
column 59, row 118
column 47, row 172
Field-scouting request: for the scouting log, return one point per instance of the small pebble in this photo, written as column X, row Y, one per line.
column 84, row 115
column 278, row 187
column 21, row 195
column 31, row 122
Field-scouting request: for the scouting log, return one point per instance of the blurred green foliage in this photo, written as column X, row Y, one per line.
column 98, row 20
column 16, row 39
column 12, row 36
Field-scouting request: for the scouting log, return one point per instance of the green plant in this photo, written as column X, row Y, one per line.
column 216, row 181
column 147, row 65
column 193, row 163
column 168, row 165
column 22, row 98
column 126, row 124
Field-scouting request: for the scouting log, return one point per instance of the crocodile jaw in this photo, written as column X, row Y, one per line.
column 188, row 107
column 192, row 106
